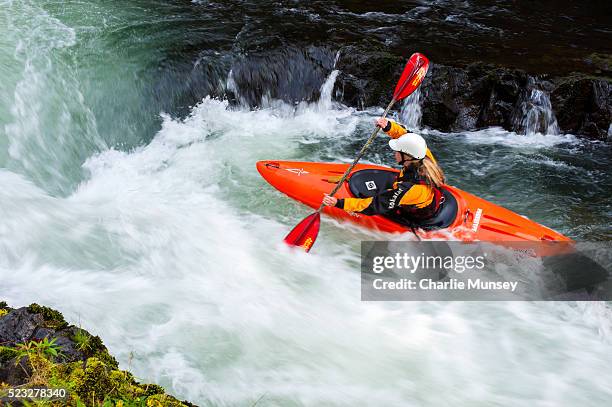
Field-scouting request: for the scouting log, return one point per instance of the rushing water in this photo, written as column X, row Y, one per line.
column 145, row 220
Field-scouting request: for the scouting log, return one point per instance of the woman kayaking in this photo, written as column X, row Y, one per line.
column 416, row 195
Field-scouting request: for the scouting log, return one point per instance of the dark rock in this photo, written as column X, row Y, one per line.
column 52, row 318
column 18, row 326
column 480, row 95
column 601, row 62
column 441, row 92
column 21, row 326
column 367, row 75
column 583, row 106
column 15, row 372
column 64, row 340
column 456, row 99
column 288, row 74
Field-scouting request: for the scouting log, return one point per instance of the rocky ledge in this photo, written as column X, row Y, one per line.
column 482, row 95
column 452, row 98
column 38, row 348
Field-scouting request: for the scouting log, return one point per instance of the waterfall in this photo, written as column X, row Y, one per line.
column 232, row 86
column 534, row 113
column 325, row 101
column 411, row 112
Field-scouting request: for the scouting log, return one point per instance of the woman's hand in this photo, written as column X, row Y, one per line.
column 329, row 200
column 382, row 122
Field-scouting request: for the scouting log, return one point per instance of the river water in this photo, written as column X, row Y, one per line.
column 129, row 200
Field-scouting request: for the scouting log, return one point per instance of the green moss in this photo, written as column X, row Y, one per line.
column 42, row 370
column 97, row 382
column 53, row 319
column 82, row 340
column 7, row 354
column 93, row 382
column 4, row 309
column 163, row 400
column 99, row 351
column 152, row 389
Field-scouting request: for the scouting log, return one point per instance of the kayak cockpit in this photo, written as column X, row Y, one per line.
column 367, row 183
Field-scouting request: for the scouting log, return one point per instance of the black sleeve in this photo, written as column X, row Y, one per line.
column 339, row 204
column 387, row 127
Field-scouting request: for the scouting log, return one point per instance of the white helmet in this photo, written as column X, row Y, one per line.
column 410, row 143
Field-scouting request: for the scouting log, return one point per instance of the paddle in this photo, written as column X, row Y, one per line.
column 306, row 232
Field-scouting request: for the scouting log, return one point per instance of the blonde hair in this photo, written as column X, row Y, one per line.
column 430, row 170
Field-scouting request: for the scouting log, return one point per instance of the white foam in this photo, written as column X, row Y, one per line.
column 497, row 135
column 173, row 254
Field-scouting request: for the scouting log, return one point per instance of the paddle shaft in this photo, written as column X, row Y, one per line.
column 361, row 153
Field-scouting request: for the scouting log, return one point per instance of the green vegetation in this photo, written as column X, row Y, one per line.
column 53, row 319
column 94, row 381
column 97, row 383
column 45, row 348
column 82, row 339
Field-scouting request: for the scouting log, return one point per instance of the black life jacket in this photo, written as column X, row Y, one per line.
column 405, row 180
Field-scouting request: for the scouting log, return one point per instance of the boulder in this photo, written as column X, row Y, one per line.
column 18, row 326
column 583, row 105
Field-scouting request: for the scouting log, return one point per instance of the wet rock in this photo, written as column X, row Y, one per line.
column 583, row 105
column 367, row 75
column 456, row 99
column 602, row 63
column 288, row 74
column 481, row 95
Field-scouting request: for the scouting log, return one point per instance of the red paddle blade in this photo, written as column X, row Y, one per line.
column 413, row 75
column 305, row 233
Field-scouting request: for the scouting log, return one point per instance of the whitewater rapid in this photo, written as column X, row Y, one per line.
column 172, row 253
column 171, row 250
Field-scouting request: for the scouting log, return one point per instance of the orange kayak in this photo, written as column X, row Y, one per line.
column 463, row 216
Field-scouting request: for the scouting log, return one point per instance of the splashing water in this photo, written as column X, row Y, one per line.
column 48, row 107
column 218, row 310
column 535, row 114
column 172, row 250
column 411, row 112
column 325, row 101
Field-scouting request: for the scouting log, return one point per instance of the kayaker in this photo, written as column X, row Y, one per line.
column 415, row 195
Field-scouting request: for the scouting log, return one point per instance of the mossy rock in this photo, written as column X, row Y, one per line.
column 96, row 381
column 98, row 350
column 4, row 309
column 53, row 319
column 92, row 382
column 7, row 354
column 42, row 371
column 163, row 400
